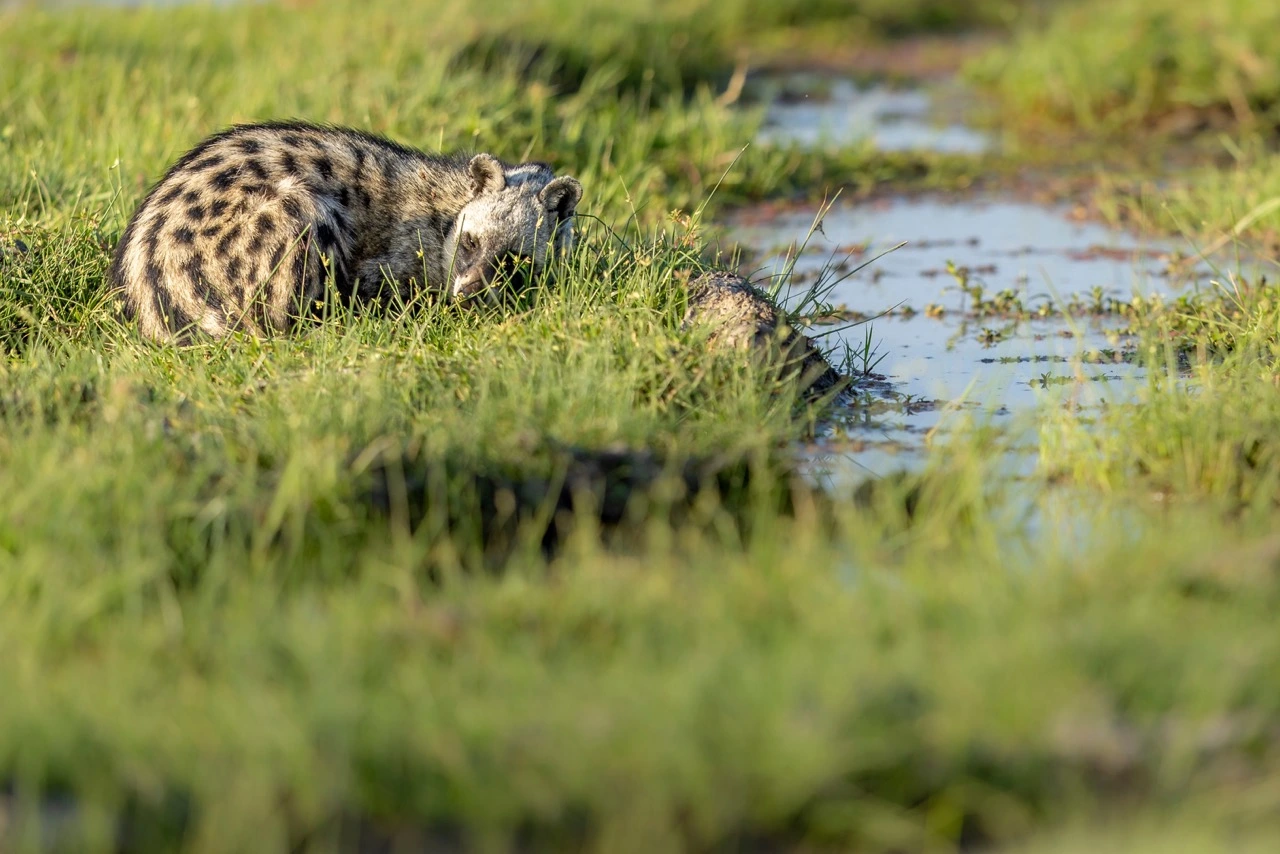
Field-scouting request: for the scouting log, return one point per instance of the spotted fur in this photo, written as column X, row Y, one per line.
column 246, row 229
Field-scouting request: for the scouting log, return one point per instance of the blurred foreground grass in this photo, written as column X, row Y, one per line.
column 215, row 639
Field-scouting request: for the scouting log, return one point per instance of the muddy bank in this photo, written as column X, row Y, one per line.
column 739, row 316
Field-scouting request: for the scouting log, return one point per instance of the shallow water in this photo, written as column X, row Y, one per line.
column 939, row 358
column 811, row 110
column 941, row 363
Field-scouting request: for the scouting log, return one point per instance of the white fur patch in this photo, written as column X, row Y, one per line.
column 524, row 173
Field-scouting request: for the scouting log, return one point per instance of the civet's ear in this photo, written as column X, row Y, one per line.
column 561, row 196
column 487, row 175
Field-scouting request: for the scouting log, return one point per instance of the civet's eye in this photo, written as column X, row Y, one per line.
column 468, row 243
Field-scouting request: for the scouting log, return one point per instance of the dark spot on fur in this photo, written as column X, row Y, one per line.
column 324, row 166
column 127, row 307
column 363, row 195
column 265, row 190
column 435, row 223
column 151, row 240
column 290, row 163
column 388, row 167
column 170, row 195
column 154, row 277
column 255, row 168
column 196, row 213
column 233, row 268
column 292, row 140
column 208, row 162
column 298, row 267
column 261, row 306
column 292, row 207
column 340, row 223
column 184, row 235
column 173, row 316
column 342, row 283
column 218, row 207
column 194, row 270
column 249, row 146
column 344, row 197
column 359, row 170
column 224, row 245
column 191, row 197
column 276, row 254
column 264, row 224
column 210, row 231
column 336, row 266
column 226, row 179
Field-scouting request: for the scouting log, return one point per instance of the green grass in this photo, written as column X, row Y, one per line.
column 1114, row 67
column 1196, row 82
column 98, row 103
column 1235, row 205
column 215, row 639
column 1206, row 428
column 679, row 45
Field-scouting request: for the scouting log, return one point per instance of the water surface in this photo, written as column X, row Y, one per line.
column 818, row 111
column 940, row 360
column 937, row 355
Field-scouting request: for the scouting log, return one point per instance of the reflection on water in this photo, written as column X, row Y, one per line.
column 815, row 111
column 940, row 356
column 937, row 355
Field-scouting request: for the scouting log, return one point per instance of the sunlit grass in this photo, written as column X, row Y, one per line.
column 1121, row 66
column 222, row 632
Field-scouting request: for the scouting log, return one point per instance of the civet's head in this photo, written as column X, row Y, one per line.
column 517, row 220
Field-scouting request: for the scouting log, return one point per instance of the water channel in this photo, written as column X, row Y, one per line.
column 939, row 355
